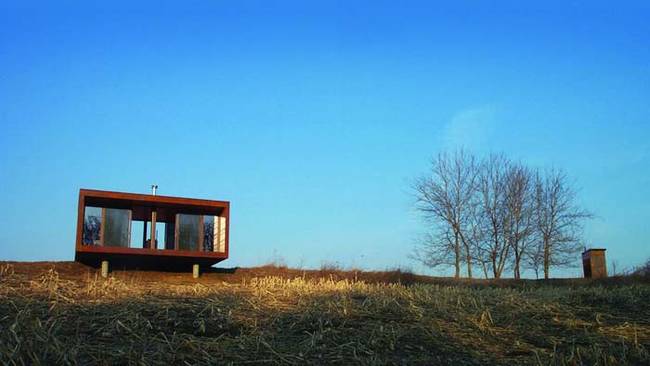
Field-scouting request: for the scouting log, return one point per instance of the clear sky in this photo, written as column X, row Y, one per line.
column 312, row 117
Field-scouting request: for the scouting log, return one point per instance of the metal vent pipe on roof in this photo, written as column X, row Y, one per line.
column 153, row 189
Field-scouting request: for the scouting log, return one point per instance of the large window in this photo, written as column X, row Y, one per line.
column 92, row 234
column 188, row 228
column 209, row 231
column 214, row 233
column 117, row 227
column 106, row 226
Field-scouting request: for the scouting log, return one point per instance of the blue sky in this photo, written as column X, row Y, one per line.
column 312, row 117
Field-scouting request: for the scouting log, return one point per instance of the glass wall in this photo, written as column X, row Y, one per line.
column 209, row 231
column 92, row 226
column 188, row 231
column 220, row 234
column 214, row 233
column 113, row 227
column 117, row 227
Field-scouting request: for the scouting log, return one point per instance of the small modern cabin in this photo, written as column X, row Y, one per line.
column 150, row 231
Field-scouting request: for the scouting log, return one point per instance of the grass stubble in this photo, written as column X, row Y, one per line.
column 47, row 318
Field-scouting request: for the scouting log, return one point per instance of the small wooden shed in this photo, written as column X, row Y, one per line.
column 151, row 231
column 594, row 263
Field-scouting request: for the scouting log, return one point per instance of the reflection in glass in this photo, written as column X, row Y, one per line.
column 214, row 234
column 117, row 227
column 92, row 225
column 209, row 233
column 188, row 231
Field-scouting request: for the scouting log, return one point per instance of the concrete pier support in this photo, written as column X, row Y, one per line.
column 195, row 271
column 104, row 269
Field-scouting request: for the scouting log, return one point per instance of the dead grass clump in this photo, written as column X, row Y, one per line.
column 6, row 271
column 50, row 284
column 111, row 287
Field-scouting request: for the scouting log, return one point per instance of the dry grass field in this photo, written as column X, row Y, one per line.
column 64, row 313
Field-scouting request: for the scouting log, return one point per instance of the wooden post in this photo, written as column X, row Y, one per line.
column 104, row 269
column 195, row 271
column 154, row 216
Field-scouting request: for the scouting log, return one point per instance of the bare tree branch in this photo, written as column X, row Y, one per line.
column 445, row 198
column 559, row 221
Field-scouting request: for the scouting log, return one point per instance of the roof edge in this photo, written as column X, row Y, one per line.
column 86, row 192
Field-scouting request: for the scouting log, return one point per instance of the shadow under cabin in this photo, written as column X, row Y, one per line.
column 139, row 231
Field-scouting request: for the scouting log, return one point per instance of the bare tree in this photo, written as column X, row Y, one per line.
column 491, row 191
column 519, row 211
column 559, row 220
column 496, row 214
column 445, row 197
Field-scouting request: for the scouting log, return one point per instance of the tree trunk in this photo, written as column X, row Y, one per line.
column 517, row 263
column 547, row 259
column 457, row 252
column 468, row 254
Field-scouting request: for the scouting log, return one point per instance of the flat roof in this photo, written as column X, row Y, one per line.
column 151, row 199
